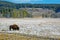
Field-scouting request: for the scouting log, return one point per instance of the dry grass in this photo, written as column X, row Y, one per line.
column 14, row 36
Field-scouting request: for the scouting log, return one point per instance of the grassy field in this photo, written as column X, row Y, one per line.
column 50, row 27
column 14, row 36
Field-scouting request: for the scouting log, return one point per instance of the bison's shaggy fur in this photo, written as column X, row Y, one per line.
column 14, row 27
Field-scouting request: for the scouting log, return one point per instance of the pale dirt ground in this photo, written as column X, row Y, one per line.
column 14, row 36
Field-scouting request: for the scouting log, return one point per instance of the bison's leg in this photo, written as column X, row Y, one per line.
column 10, row 28
column 14, row 28
column 17, row 28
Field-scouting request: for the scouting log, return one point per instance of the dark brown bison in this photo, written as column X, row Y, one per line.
column 14, row 27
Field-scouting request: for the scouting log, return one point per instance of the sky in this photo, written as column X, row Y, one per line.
column 35, row 1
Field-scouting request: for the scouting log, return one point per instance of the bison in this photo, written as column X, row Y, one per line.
column 14, row 27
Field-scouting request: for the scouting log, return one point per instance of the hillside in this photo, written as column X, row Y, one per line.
column 29, row 10
column 22, row 5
